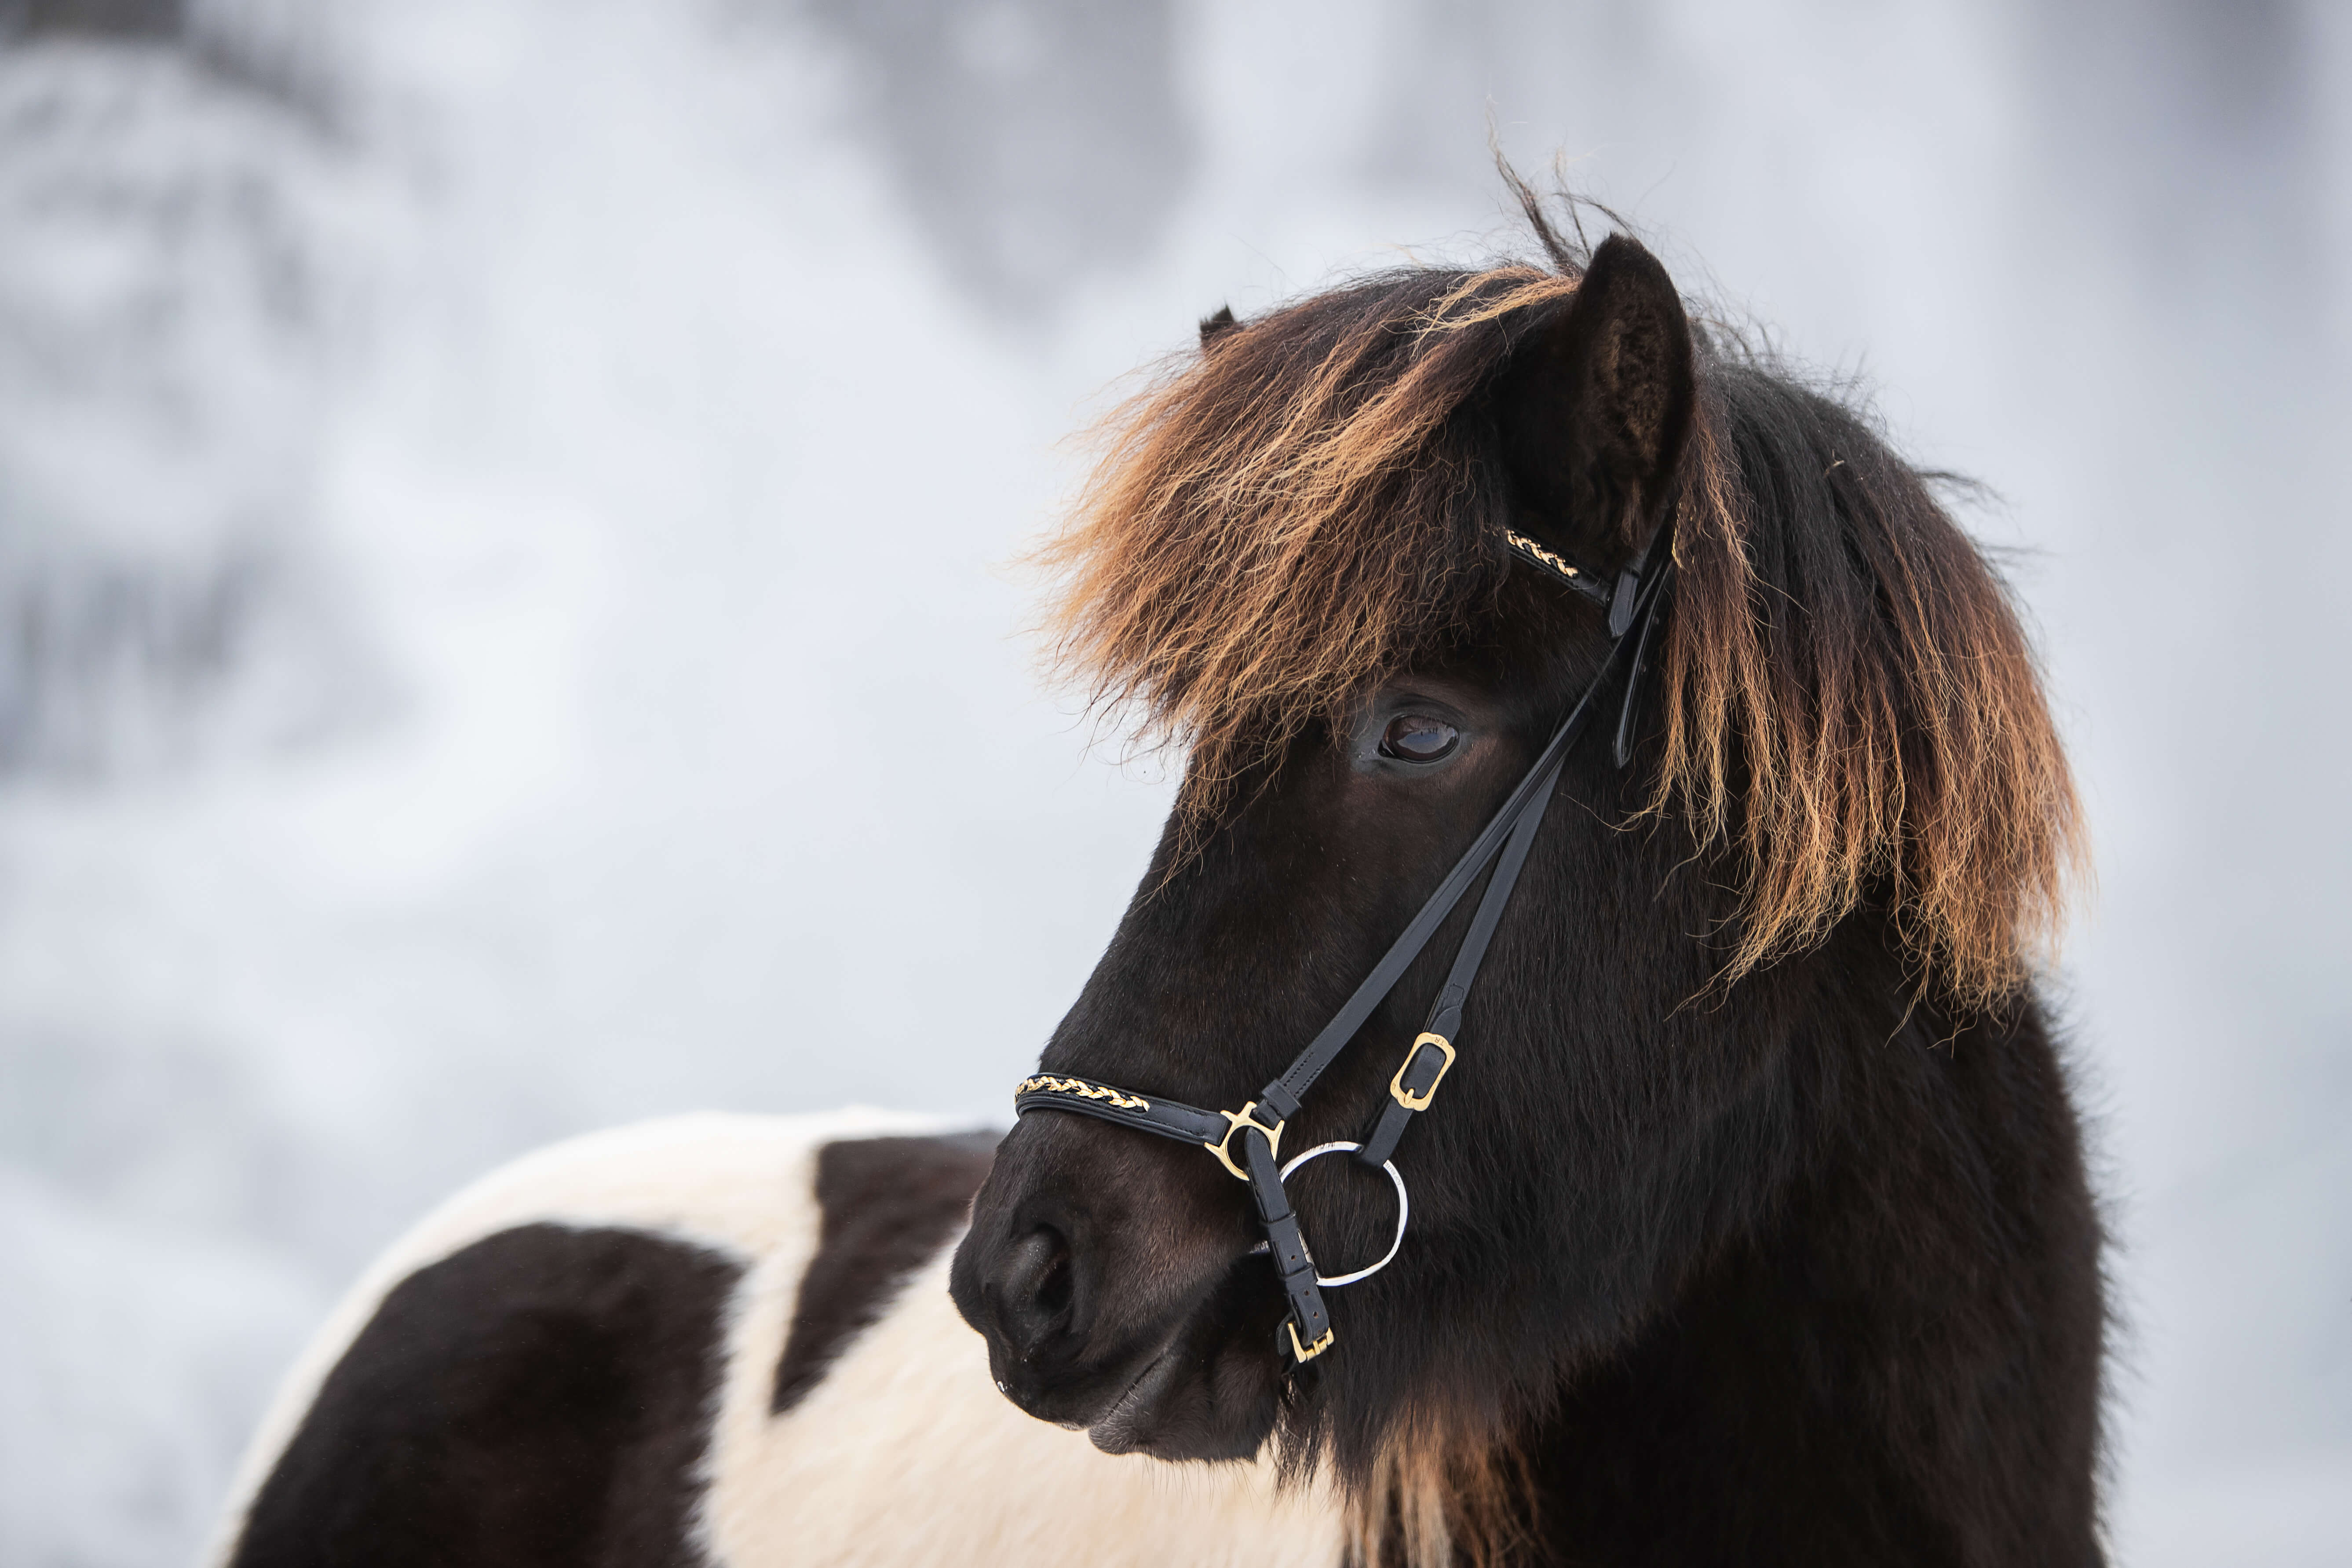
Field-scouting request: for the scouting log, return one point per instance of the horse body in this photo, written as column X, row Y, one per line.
column 581, row 1359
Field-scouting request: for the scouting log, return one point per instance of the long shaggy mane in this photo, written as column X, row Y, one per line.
column 1851, row 711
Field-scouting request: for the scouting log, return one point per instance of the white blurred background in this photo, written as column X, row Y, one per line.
column 504, row 625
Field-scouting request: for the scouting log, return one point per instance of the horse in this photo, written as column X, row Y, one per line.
column 1728, row 1202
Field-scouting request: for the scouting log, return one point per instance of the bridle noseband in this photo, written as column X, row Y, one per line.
column 1247, row 1143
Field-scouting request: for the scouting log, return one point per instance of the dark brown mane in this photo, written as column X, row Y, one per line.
column 1851, row 710
column 1281, row 523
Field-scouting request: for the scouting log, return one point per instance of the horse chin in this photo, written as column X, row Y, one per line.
column 1205, row 1395
column 1175, row 1411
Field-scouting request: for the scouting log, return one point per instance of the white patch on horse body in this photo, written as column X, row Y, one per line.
column 905, row 1453
column 919, row 1459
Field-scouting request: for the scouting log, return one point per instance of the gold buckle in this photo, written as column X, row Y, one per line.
column 1307, row 1352
column 1234, row 1121
column 1407, row 1098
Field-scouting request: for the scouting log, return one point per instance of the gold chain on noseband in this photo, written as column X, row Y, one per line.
column 1080, row 1088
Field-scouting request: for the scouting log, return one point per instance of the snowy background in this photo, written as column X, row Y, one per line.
column 503, row 626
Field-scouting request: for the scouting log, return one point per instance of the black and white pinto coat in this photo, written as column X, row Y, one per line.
column 715, row 1339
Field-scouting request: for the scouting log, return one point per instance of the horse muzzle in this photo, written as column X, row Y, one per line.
column 1117, row 1293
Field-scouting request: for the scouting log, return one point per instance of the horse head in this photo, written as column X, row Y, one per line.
column 1358, row 556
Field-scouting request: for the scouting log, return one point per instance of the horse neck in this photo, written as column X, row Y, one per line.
column 1905, row 1333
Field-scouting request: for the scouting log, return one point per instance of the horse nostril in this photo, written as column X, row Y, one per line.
column 1035, row 1288
column 1054, row 1289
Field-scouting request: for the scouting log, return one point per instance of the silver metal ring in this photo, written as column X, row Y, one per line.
column 1404, row 1210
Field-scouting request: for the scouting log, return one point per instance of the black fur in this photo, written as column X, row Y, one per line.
column 1803, row 1273
column 538, row 1400
column 889, row 1203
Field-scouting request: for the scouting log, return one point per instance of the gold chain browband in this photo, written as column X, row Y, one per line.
column 1080, row 1088
column 1529, row 548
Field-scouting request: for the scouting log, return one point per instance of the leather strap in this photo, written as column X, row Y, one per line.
column 1629, row 715
column 1292, row 1261
column 1285, row 1094
column 1427, row 1062
column 1168, row 1117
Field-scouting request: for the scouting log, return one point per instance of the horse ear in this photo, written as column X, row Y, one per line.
column 1594, row 410
column 1217, row 326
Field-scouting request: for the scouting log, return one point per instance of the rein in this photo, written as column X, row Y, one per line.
column 1247, row 1143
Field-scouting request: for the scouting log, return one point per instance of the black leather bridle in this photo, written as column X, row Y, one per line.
column 1633, row 611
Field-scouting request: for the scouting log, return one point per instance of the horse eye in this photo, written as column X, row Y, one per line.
column 1418, row 738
